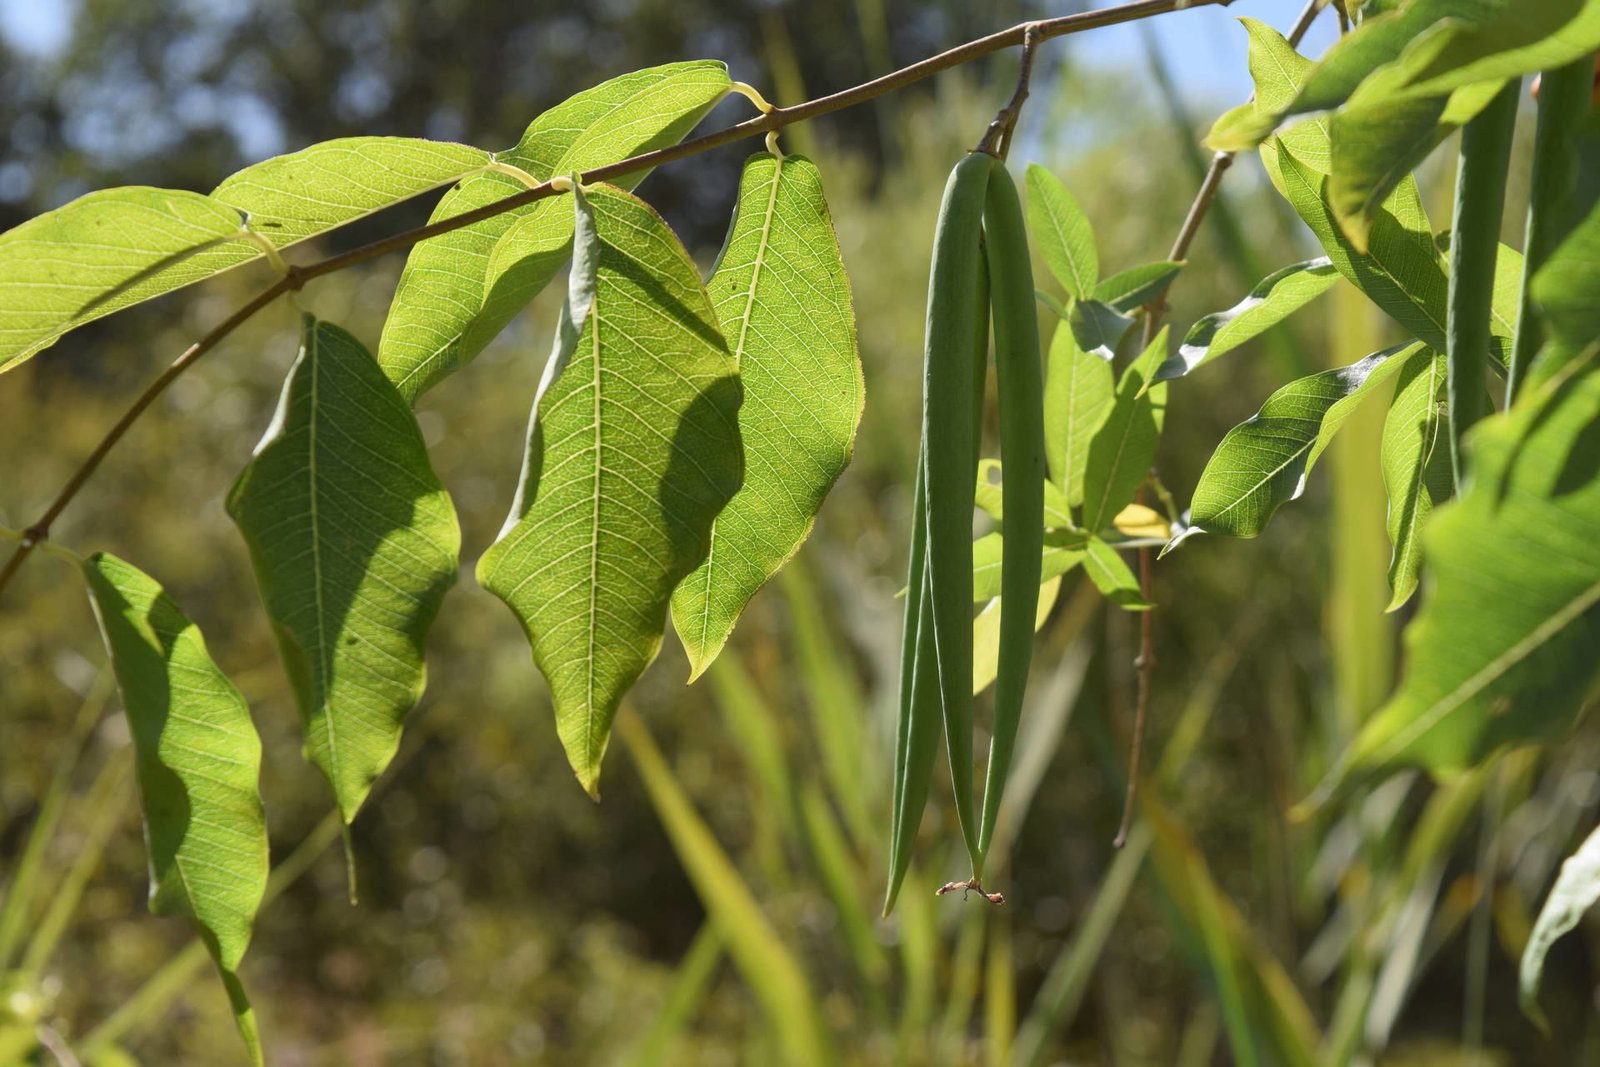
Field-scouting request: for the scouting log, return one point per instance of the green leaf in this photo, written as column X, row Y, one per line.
column 989, row 498
column 1399, row 269
column 1063, row 550
column 1577, row 888
column 100, row 253
column 354, row 543
column 1124, row 447
column 1276, row 297
column 199, row 765
column 1416, row 467
column 460, row 289
column 986, row 633
column 771, row 970
column 781, row 295
column 1078, row 392
column 1062, row 230
column 1111, row 575
column 1263, row 462
column 1503, row 648
column 1492, row 40
column 1565, row 290
column 1278, row 71
column 289, row 198
column 633, row 450
column 1129, row 290
column 1097, row 327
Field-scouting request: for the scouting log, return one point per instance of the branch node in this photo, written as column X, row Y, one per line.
column 997, row 138
column 971, row 885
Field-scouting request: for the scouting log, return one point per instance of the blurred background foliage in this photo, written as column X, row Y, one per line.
column 720, row 906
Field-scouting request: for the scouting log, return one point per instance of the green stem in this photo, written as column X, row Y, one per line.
column 1474, row 246
column 1563, row 103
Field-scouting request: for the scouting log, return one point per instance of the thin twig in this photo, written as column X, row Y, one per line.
column 1146, row 661
column 997, row 138
column 776, row 119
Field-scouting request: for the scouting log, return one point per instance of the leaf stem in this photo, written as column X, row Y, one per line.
column 1474, row 245
column 1563, row 103
column 771, row 121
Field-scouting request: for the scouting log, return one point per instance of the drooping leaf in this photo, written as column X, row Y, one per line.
column 1263, row 462
column 199, row 764
column 354, row 543
column 1124, row 447
column 633, row 449
column 289, row 198
column 1129, row 290
column 1063, row 550
column 1062, row 230
column 98, row 254
column 456, row 292
column 1278, row 72
column 1275, row 298
column 782, row 298
column 1577, row 888
column 1503, row 648
column 986, row 633
column 1078, row 392
column 1416, row 467
column 1097, row 327
column 1111, row 575
column 1399, row 270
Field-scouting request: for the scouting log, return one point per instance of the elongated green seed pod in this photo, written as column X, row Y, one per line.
column 1021, row 388
column 949, row 452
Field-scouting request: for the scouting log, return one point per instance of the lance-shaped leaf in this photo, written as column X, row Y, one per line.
column 354, row 543
column 93, row 256
column 456, row 293
column 1416, row 466
column 1262, row 463
column 1124, row 447
column 1399, row 270
column 1129, row 290
column 1062, row 230
column 986, row 633
column 633, row 449
column 1564, row 289
column 1276, row 297
column 1062, row 551
column 1111, row 575
column 1078, row 392
column 782, row 298
column 1098, row 327
column 1577, row 888
column 1503, row 648
column 199, row 764
column 990, row 497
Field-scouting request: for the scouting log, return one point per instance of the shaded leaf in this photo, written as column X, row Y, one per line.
column 1124, row 447
column 986, row 633
column 1098, row 327
column 782, row 298
column 1063, row 550
column 1078, row 393
column 1275, row 298
column 1129, row 290
column 100, row 253
column 989, row 498
column 354, row 543
column 633, row 449
column 1564, row 289
column 1502, row 650
column 457, row 290
column 1577, row 888
column 1262, row 463
column 1062, row 230
column 1416, row 466
column 199, row 765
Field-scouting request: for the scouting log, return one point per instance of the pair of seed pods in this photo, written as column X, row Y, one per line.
column 980, row 268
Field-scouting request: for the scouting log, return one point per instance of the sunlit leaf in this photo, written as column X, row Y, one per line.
column 990, row 499
column 354, row 543
column 1063, row 550
column 633, row 449
column 1078, row 393
column 781, row 296
column 1275, row 298
column 1503, row 648
column 458, row 290
column 1111, row 575
column 1136, row 520
column 1063, row 233
column 1577, row 888
column 1263, row 462
column 1416, row 466
column 199, row 763
column 986, row 633
column 100, row 253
